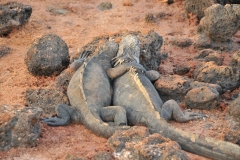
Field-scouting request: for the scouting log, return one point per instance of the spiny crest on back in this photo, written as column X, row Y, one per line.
column 141, row 87
column 129, row 50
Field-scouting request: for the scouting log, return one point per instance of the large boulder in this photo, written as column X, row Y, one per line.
column 197, row 7
column 150, row 50
column 46, row 99
column 13, row 15
column 172, row 87
column 205, row 98
column 225, row 76
column 137, row 143
column 197, row 84
column 220, row 23
column 48, row 55
column 19, row 127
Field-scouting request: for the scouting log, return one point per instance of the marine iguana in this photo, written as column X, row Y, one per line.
column 133, row 91
column 89, row 93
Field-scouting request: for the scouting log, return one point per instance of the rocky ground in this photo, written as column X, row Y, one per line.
column 77, row 23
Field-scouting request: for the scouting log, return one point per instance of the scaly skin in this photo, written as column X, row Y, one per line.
column 89, row 93
column 135, row 92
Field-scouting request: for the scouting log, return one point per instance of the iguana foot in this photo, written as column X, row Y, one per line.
column 56, row 121
column 171, row 110
column 193, row 115
column 64, row 116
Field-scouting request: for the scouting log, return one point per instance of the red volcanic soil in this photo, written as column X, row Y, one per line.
column 77, row 22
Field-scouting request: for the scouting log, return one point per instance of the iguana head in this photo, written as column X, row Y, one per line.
column 129, row 50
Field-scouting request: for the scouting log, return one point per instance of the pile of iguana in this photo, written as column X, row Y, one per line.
column 135, row 98
column 89, row 92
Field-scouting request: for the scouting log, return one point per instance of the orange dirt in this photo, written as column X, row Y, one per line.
column 80, row 22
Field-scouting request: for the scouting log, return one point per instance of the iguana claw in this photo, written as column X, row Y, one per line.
column 55, row 121
column 85, row 54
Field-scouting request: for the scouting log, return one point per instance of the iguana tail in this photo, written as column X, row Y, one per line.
column 204, row 146
column 89, row 90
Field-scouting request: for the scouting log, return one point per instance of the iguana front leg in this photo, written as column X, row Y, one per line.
column 78, row 62
column 116, row 72
column 123, row 68
column 171, row 110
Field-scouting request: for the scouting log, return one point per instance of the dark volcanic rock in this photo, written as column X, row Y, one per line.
column 234, row 109
column 13, row 15
column 105, row 6
column 181, row 69
column 202, row 41
column 103, row 156
column 46, row 99
column 202, row 98
column 222, row 2
column 215, row 57
column 204, row 53
column 4, row 50
column 28, row 128
column 64, row 78
column 150, row 50
column 137, row 143
column 197, row 7
column 236, row 9
column 233, row 1
column 225, row 76
column 233, row 134
column 97, row 156
column 172, row 87
column 71, row 157
column 180, row 42
column 57, row 11
column 149, row 18
column 236, row 59
column 208, row 55
column 151, row 44
column 220, row 23
column 48, row 55
column 8, row 120
column 19, row 127
column 197, row 84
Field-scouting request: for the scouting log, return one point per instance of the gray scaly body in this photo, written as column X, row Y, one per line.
column 135, row 92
